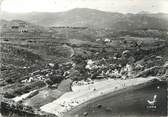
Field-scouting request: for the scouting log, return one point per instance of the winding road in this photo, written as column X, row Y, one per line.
column 70, row 48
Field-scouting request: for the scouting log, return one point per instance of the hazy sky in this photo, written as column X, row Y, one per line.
column 124, row 6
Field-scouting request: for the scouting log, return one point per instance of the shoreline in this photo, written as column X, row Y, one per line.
column 84, row 93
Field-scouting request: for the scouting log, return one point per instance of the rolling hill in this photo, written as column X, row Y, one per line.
column 40, row 50
column 93, row 18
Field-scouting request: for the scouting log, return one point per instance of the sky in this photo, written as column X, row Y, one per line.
column 123, row 6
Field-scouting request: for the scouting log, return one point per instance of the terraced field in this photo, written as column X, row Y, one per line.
column 44, row 62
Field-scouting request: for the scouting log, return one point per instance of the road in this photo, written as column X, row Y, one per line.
column 130, row 102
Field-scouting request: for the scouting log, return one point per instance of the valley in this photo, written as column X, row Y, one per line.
column 40, row 63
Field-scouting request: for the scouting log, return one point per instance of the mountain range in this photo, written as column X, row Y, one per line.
column 84, row 17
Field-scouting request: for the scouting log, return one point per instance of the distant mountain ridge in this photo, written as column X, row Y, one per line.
column 84, row 17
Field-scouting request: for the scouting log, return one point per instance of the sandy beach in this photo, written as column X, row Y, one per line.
column 83, row 93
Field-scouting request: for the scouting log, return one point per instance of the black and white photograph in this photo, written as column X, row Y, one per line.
column 83, row 58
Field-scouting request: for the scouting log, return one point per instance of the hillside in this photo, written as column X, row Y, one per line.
column 93, row 18
column 40, row 63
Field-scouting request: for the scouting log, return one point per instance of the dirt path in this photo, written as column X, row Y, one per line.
column 69, row 48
